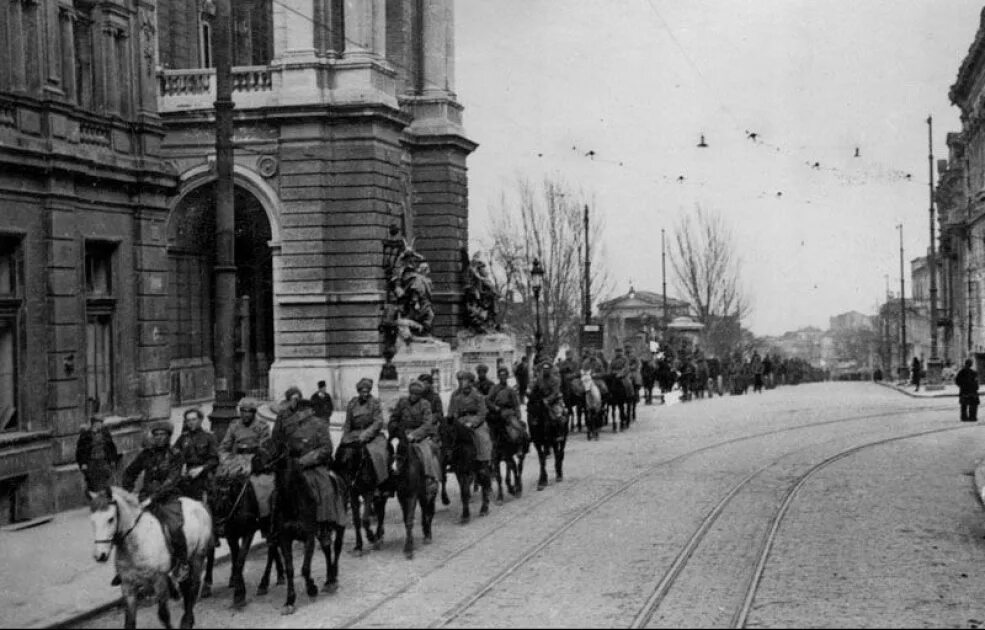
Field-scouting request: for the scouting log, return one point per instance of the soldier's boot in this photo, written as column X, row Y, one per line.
column 179, row 547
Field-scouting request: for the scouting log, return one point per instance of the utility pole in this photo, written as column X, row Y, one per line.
column 663, row 274
column 224, row 409
column 587, row 306
column 934, row 364
column 902, row 308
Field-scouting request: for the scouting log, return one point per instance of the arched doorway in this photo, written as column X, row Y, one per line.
column 191, row 295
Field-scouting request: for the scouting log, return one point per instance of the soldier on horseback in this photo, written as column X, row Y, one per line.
column 364, row 425
column 162, row 467
column 503, row 410
column 240, row 444
column 468, row 408
column 413, row 423
column 433, row 397
column 200, row 452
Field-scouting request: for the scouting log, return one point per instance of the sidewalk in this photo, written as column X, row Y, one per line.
column 49, row 576
column 950, row 390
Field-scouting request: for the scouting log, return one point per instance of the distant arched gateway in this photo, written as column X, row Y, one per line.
column 191, row 287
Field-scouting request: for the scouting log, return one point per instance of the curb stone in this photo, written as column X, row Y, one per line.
column 912, row 394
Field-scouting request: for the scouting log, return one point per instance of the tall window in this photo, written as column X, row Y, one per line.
column 85, row 79
column 205, row 46
column 10, row 334
column 100, row 306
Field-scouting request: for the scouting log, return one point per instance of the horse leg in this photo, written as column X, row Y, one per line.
column 239, row 563
column 368, row 510
column 287, row 555
column 354, row 504
column 558, row 447
column 518, row 478
column 264, row 585
column 309, row 552
column 379, row 502
column 163, row 612
column 542, row 456
column 189, row 592
column 510, row 462
column 408, row 505
column 130, row 612
column 445, row 499
column 465, row 487
column 234, row 551
column 207, row 584
column 485, row 482
column 336, row 552
column 427, row 516
column 331, row 570
column 497, row 473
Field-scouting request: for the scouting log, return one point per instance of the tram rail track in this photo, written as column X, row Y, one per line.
column 740, row 617
column 489, row 585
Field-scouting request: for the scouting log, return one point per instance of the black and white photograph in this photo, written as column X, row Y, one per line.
column 492, row 313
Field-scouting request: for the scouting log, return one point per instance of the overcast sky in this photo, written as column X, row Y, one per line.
column 637, row 81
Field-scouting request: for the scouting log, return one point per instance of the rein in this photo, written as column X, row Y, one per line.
column 117, row 538
column 239, row 497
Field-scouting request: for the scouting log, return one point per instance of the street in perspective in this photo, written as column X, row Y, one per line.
column 499, row 313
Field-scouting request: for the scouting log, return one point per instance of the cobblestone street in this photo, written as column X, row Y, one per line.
column 820, row 505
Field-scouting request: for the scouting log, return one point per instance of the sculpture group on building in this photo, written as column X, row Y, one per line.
column 480, row 299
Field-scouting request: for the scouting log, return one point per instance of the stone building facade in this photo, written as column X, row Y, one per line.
column 83, row 204
column 635, row 318
column 346, row 122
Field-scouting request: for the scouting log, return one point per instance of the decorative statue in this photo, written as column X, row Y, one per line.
column 410, row 286
column 480, row 299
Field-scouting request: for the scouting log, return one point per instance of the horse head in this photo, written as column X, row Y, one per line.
column 110, row 511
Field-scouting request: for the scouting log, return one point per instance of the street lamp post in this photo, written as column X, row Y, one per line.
column 536, row 283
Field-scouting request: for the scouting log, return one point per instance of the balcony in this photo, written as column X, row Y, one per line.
column 194, row 89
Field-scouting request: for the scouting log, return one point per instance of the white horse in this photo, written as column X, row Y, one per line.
column 143, row 560
column 593, row 404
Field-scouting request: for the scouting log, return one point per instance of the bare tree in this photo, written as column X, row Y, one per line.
column 544, row 222
column 708, row 275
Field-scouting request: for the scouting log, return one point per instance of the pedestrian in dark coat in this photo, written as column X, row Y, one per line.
column 967, row 382
column 96, row 455
column 916, row 372
column 321, row 402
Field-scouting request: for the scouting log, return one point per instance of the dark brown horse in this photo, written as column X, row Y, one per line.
column 367, row 496
column 548, row 432
column 510, row 447
column 296, row 519
column 622, row 397
column 458, row 453
column 236, row 510
column 413, row 489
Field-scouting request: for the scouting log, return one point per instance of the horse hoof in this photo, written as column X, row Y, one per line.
column 541, row 486
column 484, row 510
column 262, row 590
column 239, row 604
column 311, row 590
column 559, row 478
column 409, row 554
column 330, row 587
column 378, row 544
column 464, row 520
column 281, row 581
column 206, row 592
column 287, row 610
column 427, row 540
column 445, row 501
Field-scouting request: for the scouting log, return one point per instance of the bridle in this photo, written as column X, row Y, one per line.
column 118, row 538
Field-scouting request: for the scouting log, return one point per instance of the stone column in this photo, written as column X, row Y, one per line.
column 365, row 29
column 438, row 43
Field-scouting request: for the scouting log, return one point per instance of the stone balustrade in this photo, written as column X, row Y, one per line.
column 182, row 90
